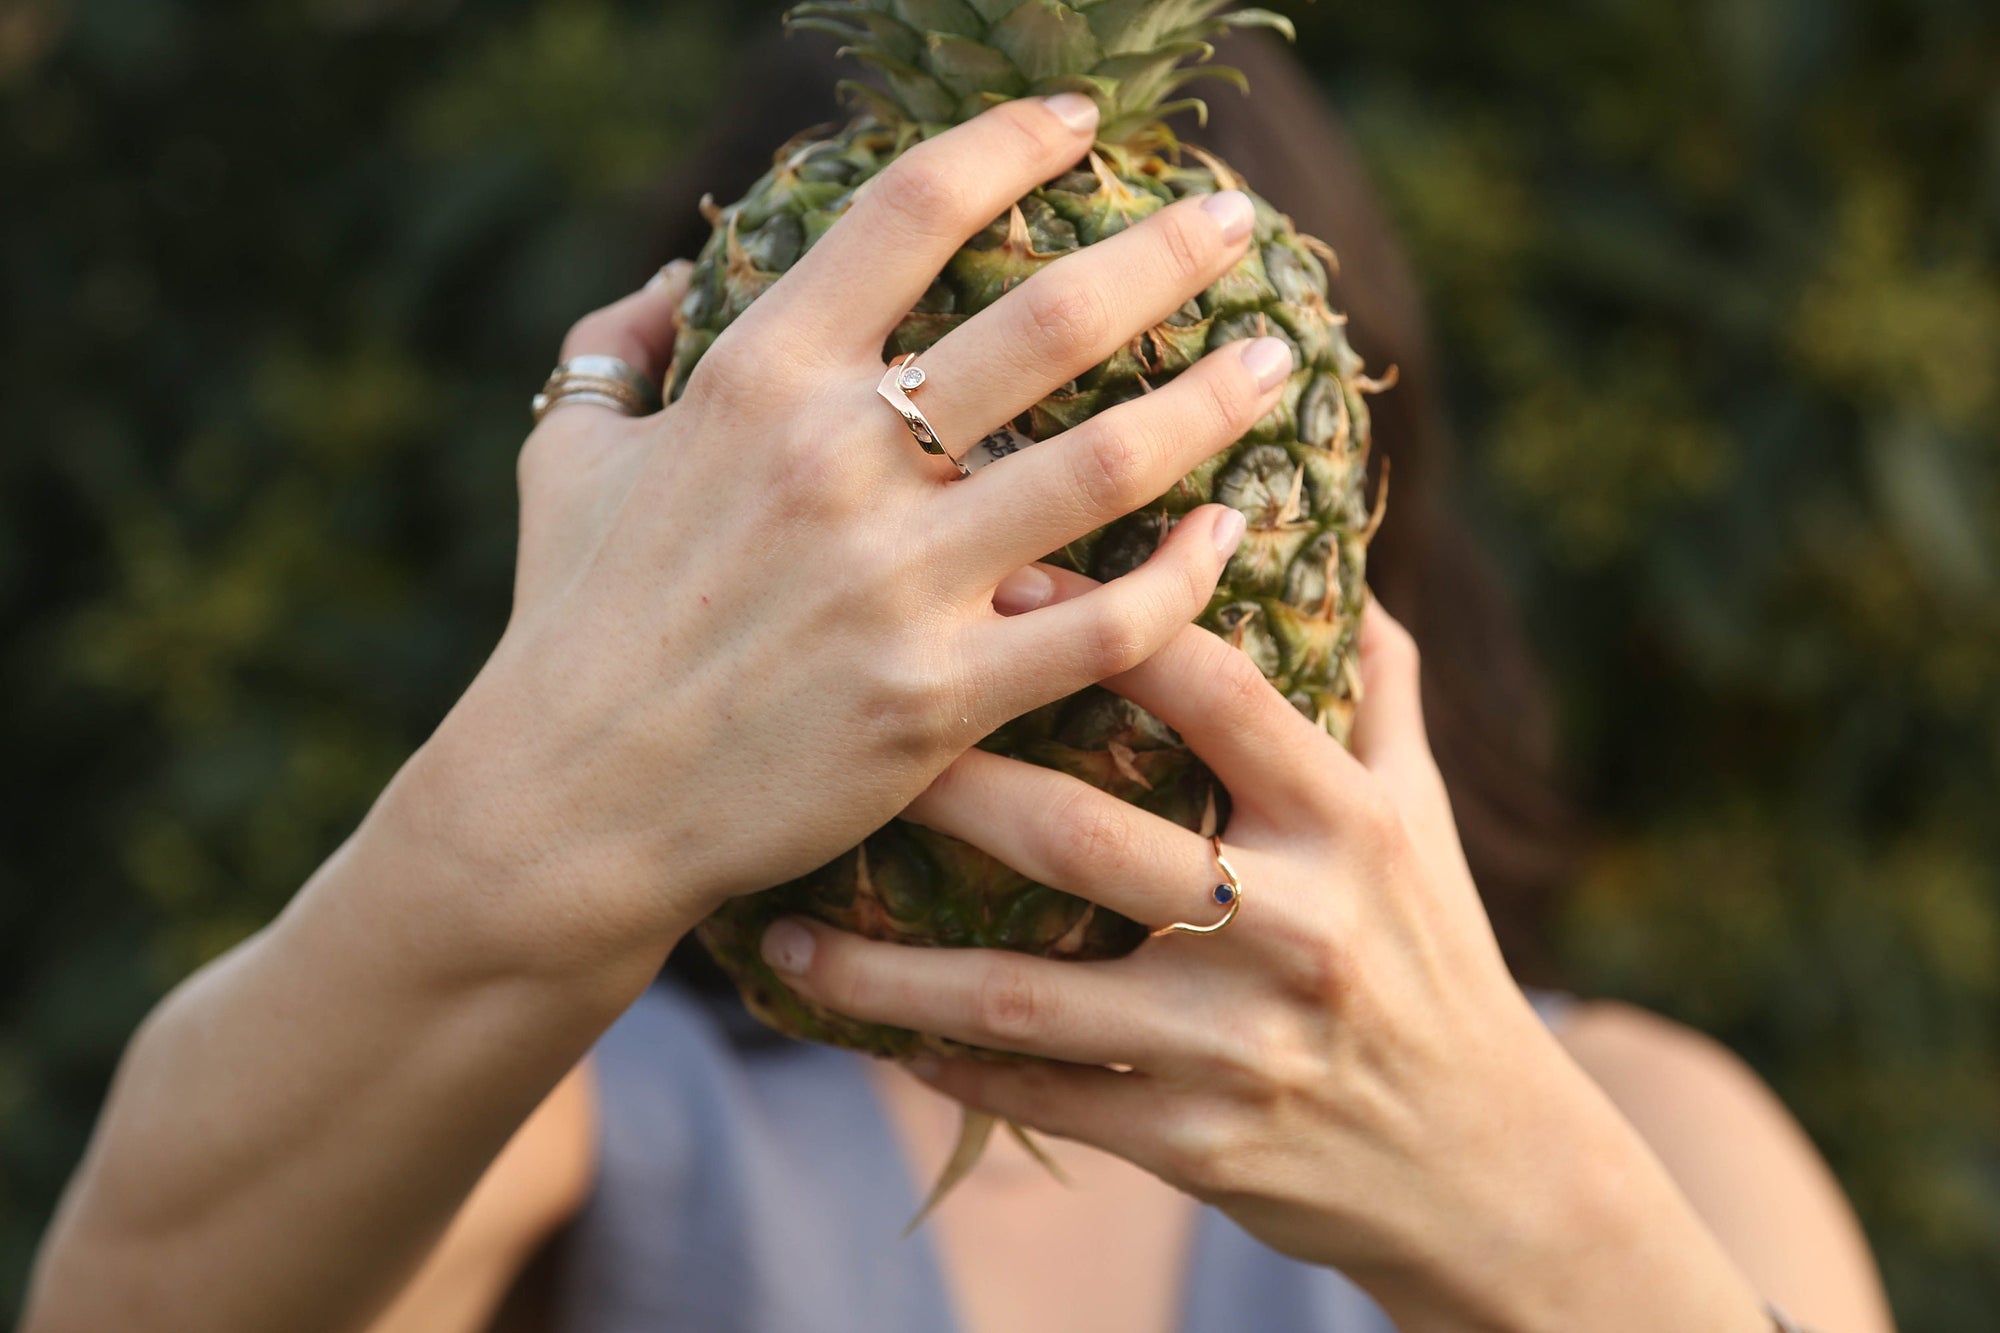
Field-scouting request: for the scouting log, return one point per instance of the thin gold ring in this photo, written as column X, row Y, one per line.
column 901, row 380
column 1229, row 894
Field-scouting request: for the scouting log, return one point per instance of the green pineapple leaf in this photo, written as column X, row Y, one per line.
column 1047, row 39
column 970, row 68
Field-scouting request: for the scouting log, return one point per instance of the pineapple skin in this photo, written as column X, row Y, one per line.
column 1291, row 597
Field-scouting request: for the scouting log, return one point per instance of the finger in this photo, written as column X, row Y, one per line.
column 1060, row 831
column 1077, row 312
column 873, row 265
column 1120, row 1113
column 1389, row 736
column 638, row 330
column 1022, row 507
column 1262, row 748
column 1021, row 662
column 1389, row 724
column 1088, row 1013
column 1268, row 754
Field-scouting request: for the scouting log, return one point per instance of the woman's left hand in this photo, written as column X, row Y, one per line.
column 1347, row 1069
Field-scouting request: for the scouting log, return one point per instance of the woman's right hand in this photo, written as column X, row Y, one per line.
column 752, row 627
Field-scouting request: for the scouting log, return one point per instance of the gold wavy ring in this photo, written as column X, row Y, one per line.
column 1229, row 893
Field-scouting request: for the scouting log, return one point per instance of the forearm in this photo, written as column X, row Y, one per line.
column 292, row 1129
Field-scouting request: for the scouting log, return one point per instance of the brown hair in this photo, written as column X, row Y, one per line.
column 1483, row 697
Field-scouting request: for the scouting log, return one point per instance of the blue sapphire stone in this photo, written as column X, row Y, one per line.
column 1224, row 894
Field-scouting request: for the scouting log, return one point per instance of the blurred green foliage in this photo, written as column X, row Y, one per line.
column 1718, row 283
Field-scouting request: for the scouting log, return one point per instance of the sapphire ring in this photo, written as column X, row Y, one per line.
column 1227, row 894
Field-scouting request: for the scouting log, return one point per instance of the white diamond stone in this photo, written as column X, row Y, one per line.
column 912, row 377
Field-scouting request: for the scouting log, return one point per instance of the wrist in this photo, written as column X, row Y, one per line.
column 476, row 842
column 1593, row 1233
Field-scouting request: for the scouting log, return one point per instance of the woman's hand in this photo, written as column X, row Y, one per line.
column 750, row 628
column 1347, row 1067
column 747, row 630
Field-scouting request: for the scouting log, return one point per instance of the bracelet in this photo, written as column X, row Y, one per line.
column 1783, row 1322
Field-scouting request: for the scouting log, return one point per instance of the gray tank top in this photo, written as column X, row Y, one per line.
column 747, row 1185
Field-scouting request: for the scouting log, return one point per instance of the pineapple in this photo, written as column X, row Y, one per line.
column 1292, row 595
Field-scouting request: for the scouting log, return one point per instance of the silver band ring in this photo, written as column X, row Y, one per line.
column 898, row 383
column 1229, row 894
column 602, row 381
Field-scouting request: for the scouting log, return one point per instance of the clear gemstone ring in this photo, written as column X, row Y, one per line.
column 1229, row 894
column 898, row 383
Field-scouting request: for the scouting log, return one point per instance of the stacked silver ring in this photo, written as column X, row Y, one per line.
column 603, row 381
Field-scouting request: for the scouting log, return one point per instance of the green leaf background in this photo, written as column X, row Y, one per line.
column 1718, row 287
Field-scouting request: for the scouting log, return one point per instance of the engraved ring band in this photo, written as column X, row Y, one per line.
column 602, row 381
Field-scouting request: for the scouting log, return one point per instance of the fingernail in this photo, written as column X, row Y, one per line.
column 1023, row 590
column 1269, row 360
column 788, row 947
column 1228, row 533
column 1074, row 110
column 1233, row 212
column 668, row 274
column 924, row 1066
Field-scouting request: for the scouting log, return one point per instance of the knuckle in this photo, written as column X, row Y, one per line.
column 909, row 708
column 1111, row 469
column 1007, row 1007
column 1229, row 399
column 1321, row 970
column 1188, row 247
column 1195, row 581
column 931, row 197
column 1116, row 641
column 1091, row 834
column 1241, row 690
column 1067, row 316
column 1270, row 1049
column 1198, row 1147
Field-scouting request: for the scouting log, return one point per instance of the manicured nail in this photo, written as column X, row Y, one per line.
column 1074, row 110
column 1269, row 360
column 1228, row 533
column 788, row 947
column 1023, row 590
column 1233, row 212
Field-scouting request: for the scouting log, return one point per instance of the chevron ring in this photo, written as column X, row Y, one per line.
column 898, row 383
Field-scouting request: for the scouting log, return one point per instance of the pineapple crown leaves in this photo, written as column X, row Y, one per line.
column 945, row 61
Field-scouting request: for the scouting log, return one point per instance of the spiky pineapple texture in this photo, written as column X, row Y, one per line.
column 1292, row 595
